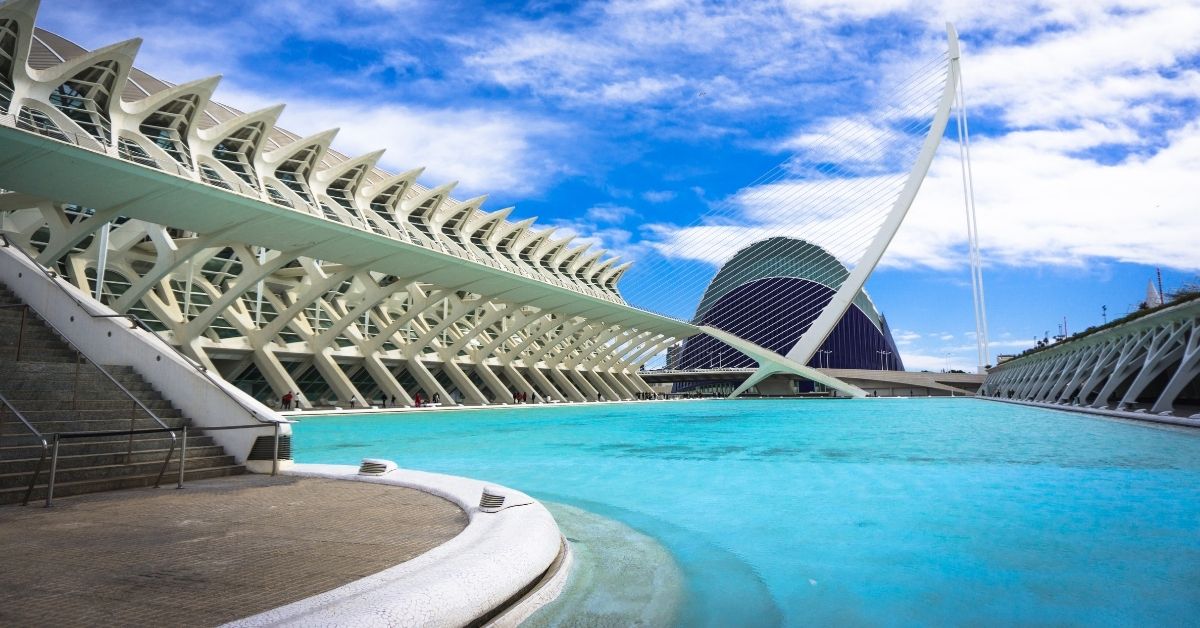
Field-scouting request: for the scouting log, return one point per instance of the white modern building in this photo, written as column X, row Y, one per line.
column 284, row 265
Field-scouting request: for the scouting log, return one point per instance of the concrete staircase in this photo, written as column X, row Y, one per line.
column 58, row 395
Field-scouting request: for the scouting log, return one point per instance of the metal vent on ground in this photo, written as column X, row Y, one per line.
column 264, row 448
column 492, row 499
column 376, row 466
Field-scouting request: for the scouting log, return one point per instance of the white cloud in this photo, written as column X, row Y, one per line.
column 616, row 241
column 1097, row 67
column 617, row 53
column 658, row 196
column 1098, row 160
column 1038, row 204
column 923, row 355
column 487, row 149
column 484, row 150
column 851, row 141
column 609, row 213
column 915, row 361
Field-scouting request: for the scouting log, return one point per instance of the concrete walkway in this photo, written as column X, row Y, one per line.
column 216, row 551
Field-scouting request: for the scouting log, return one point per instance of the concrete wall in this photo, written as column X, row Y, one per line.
column 112, row 341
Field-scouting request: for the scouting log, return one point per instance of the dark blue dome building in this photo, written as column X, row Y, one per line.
column 770, row 293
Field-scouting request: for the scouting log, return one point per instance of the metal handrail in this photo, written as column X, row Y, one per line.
column 133, row 319
column 80, row 352
column 45, row 446
column 116, row 383
column 58, row 437
column 199, row 368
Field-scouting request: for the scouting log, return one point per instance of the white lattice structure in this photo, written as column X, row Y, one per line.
column 1149, row 364
column 284, row 265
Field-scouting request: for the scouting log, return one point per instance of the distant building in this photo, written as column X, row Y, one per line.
column 1153, row 298
column 800, row 278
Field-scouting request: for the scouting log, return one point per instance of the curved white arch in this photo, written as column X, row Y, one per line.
column 819, row 330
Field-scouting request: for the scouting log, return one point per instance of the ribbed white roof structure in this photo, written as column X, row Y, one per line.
column 171, row 126
column 285, row 265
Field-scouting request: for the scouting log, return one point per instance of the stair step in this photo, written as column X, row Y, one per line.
column 59, row 391
column 28, row 402
column 35, row 401
column 31, row 335
column 66, row 489
column 113, row 471
column 9, row 354
column 65, row 386
column 126, row 410
column 104, row 445
column 29, row 371
column 50, row 427
column 27, row 465
column 116, row 370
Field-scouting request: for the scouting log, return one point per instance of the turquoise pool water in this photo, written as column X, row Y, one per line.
column 849, row 512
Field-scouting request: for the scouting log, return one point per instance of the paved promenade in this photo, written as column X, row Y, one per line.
column 213, row 552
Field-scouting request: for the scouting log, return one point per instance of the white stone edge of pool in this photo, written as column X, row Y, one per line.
column 1143, row 417
column 495, row 559
column 339, row 411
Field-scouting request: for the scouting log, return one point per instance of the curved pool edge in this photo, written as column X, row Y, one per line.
column 620, row 576
column 552, row 585
column 497, row 558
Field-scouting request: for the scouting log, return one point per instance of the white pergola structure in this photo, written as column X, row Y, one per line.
column 1145, row 364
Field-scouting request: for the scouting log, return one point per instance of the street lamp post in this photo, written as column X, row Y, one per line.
column 883, row 359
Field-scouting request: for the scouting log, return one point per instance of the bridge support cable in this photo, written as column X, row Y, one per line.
column 845, row 192
column 968, row 182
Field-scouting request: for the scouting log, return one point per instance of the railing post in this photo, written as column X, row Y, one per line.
column 36, row 471
column 182, row 456
column 21, row 333
column 132, row 420
column 275, row 455
column 53, row 472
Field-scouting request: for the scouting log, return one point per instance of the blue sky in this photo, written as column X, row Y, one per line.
column 623, row 121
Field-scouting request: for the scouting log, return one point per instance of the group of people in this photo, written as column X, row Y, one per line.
column 290, row 400
column 520, row 397
column 650, row 396
column 419, row 401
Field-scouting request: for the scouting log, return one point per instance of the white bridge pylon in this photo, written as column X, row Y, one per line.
column 794, row 362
